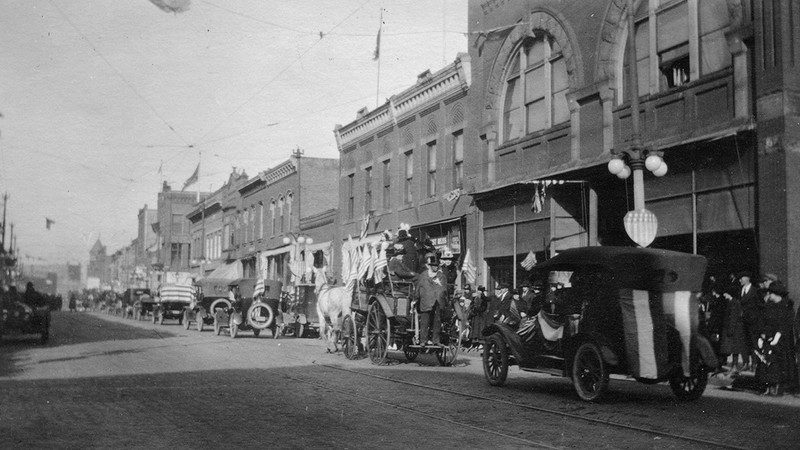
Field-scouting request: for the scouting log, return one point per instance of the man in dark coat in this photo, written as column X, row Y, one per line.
column 752, row 312
column 432, row 297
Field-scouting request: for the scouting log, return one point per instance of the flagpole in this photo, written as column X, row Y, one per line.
column 199, row 159
column 378, row 56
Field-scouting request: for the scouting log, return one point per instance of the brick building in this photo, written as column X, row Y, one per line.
column 550, row 106
column 404, row 162
column 174, row 229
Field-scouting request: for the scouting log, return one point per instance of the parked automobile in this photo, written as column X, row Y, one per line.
column 254, row 308
column 604, row 310
column 19, row 318
column 172, row 303
column 133, row 297
column 211, row 294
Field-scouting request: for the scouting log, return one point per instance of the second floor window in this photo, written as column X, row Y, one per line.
column 458, row 159
column 367, row 189
column 536, row 85
column 387, row 184
column 409, row 184
column 431, row 169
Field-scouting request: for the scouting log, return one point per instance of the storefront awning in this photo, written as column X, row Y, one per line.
column 230, row 271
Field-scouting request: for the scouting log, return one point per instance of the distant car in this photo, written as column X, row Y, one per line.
column 20, row 318
column 604, row 310
column 174, row 299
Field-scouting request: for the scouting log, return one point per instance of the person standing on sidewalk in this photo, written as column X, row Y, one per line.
column 775, row 344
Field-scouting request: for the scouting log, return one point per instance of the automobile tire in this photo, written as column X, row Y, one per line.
column 254, row 309
column 495, row 360
column 692, row 387
column 217, row 328
column 233, row 329
column 350, row 338
column 589, row 372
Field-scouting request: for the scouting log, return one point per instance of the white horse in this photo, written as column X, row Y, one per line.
column 333, row 302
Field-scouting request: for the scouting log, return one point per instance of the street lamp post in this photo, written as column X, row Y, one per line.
column 640, row 224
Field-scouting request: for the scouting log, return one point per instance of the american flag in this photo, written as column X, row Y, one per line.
column 469, row 269
column 529, row 261
column 259, row 289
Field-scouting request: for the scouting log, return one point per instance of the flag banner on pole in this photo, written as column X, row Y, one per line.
column 469, row 269
column 364, row 226
column 529, row 261
column 192, row 179
column 377, row 54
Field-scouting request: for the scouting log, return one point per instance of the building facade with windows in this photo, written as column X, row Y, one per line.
column 174, row 229
column 550, row 106
column 404, row 162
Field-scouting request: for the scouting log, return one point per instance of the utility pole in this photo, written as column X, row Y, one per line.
column 3, row 242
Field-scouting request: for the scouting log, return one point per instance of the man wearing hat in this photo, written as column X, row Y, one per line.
column 432, row 297
column 752, row 309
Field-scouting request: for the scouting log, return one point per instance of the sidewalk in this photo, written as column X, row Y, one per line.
column 744, row 382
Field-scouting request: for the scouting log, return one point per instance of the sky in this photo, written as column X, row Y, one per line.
column 102, row 101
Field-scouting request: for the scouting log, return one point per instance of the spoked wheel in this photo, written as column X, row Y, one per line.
column 377, row 331
column 412, row 353
column 495, row 360
column 449, row 352
column 233, row 329
column 691, row 387
column 589, row 372
column 349, row 338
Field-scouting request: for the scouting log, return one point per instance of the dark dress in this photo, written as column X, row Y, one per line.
column 778, row 317
column 733, row 340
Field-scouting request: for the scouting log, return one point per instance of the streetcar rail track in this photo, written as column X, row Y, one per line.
column 555, row 412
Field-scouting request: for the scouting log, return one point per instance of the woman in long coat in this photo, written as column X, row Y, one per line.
column 776, row 342
column 733, row 340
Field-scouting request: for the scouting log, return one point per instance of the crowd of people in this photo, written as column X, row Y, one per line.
column 753, row 328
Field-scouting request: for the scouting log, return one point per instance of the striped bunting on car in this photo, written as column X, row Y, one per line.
column 177, row 293
column 646, row 316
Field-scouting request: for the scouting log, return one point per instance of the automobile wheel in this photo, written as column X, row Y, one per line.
column 691, row 387
column 217, row 328
column 589, row 372
column 256, row 332
column 495, row 360
column 349, row 337
column 233, row 329
column 186, row 323
column 200, row 324
column 411, row 353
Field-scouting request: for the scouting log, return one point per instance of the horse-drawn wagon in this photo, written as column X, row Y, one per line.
column 255, row 307
column 386, row 315
column 173, row 301
column 212, row 294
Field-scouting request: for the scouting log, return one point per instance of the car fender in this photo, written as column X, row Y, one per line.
column 511, row 338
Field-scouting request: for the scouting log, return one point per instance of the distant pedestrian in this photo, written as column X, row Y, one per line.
column 733, row 340
column 775, row 344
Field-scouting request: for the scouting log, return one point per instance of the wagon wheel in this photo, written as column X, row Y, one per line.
column 186, row 323
column 691, row 387
column 349, row 337
column 589, row 372
column 233, row 329
column 256, row 332
column 449, row 352
column 411, row 353
column 495, row 360
column 377, row 331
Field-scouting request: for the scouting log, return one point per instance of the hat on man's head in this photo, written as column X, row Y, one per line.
column 744, row 273
column 778, row 288
column 431, row 259
column 482, row 288
column 769, row 277
column 503, row 286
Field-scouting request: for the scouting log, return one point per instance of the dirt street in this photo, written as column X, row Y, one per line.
column 106, row 382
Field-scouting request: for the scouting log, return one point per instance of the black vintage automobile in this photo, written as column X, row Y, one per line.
column 604, row 310
column 255, row 307
column 173, row 301
column 211, row 294
column 19, row 318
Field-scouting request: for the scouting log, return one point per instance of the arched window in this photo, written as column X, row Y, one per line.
column 280, row 215
column 536, row 84
column 260, row 220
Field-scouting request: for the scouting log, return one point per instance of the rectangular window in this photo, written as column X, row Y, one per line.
column 261, row 221
column 289, row 200
column 367, row 189
column 387, row 184
column 409, row 187
column 351, row 200
column 458, row 159
column 272, row 208
column 431, row 169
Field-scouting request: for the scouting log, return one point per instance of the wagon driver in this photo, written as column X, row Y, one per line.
column 432, row 295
